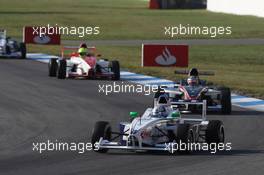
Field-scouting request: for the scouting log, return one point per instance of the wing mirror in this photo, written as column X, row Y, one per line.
column 175, row 114
column 133, row 114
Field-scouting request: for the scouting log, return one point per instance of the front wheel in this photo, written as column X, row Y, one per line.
column 226, row 100
column 115, row 69
column 62, row 69
column 53, row 66
column 215, row 133
column 184, row 138
column 103, row 130
column 23, row 50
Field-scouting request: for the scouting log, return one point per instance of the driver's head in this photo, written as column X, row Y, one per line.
column 82, row 51
column 163, row 99
column 159, row 111
column 83, row 45
column 193, row 81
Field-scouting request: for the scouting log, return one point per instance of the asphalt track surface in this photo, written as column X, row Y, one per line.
column 247, row 41
column 35, row 108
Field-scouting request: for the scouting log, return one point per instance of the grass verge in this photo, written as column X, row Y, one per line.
column 119, row 19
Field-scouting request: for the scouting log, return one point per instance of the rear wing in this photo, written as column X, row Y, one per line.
column 186, row 72
column 68, row 51
column 203, row 103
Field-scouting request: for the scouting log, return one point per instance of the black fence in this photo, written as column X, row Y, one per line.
column 182, row 4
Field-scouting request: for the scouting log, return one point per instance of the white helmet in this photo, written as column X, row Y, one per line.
column 160, row 111
column 193, row 81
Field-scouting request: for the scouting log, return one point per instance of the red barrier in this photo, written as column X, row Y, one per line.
column 165, row 55
column 153, row 4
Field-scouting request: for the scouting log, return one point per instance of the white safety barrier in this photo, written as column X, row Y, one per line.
column 238, row 7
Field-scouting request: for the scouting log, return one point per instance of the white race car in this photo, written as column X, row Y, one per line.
column 71, row 65
column 157, row 128
column 10, row 48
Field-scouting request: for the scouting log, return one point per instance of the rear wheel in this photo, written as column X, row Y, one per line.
column 62, row 69
column 215, row 132
column 225, row 100
column 53, row 66
column 103, row 130
column 23, row 50
column 115, row 69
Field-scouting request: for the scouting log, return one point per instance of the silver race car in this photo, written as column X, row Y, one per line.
column 193, row 89
column 158, row 128
column 10, row 48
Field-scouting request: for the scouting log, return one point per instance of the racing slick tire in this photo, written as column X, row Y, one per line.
column 115, row 69
column 184, row 136
column 226, row 100
column 8, row 50
column 101, row 129
column 53, row 66
column 214, row 133
column 23, row 50
column 62, row 69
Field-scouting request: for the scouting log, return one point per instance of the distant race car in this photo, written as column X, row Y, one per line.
column 157, row 128
column 10, row 48
column 193, row 89
column 72, row 65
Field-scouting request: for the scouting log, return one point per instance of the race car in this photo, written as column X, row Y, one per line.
column 72, row 65
column 158, row 129
column 196, row 90
column 10, row 48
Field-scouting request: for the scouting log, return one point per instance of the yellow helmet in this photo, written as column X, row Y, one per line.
column 82, row 51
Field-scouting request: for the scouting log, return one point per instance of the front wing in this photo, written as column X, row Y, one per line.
column 12, row 55
column 105, row 144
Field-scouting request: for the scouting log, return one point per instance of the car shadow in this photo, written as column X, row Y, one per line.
column 11, row 58
column 237, row 152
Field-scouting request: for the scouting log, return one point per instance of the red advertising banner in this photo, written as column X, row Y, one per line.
column 165, row 55
column 153, row 4
column 41, row 35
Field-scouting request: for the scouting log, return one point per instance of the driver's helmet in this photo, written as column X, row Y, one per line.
column 159, row 111
column 83, row 45
column 82, row 51
column 193, row 81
